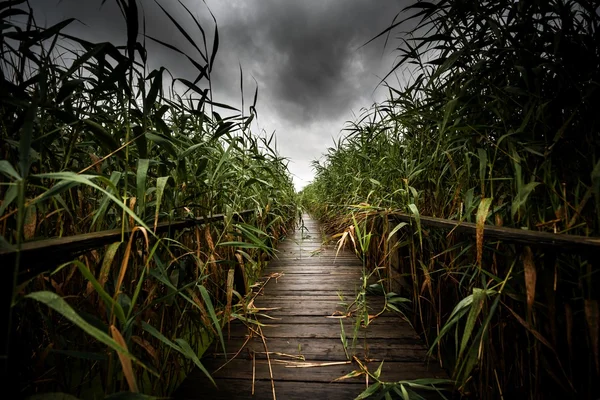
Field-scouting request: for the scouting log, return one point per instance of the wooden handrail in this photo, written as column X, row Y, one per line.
column 507, row 234
column 42, row 255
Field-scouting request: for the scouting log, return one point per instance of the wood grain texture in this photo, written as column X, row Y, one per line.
column 308, row 296
column 322, row 349
column 316, row 371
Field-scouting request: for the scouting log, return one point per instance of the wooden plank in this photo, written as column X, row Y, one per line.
column 312, row 286
column 386, row 319
column 307, row 291
column 343, row 280
column 293, row 279
column 294, row 247
column 331, row 279
column 314, row 308
column 329, row 261
column 242, row 390
column 355, row 276
column 289, row 261
column 276, row 265
column 286, row 369
column 312, row 252
column 322, row 349
column 311, row 269
column 326, row 254
column 315, row 253
column 317, row 307
column 322, row 297
column 330, row 331
column 320, row 270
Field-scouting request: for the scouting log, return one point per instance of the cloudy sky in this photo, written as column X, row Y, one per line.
column 306, row 56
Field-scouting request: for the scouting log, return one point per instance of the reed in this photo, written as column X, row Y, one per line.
column 497, row 126
column 93, row 139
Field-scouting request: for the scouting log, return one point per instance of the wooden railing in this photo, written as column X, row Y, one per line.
column 507, row 234
column 428, row 314
column 585, row 246
column 44, row 255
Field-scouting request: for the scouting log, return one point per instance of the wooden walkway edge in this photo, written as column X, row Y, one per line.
column 309, row 285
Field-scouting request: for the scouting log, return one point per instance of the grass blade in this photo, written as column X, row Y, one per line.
column 213, row 316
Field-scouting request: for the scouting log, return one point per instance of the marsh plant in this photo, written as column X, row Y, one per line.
column 93, row 139
column 496, row 124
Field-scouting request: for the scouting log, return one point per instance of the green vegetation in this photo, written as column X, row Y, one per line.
column 497, row 125
column 91, row 139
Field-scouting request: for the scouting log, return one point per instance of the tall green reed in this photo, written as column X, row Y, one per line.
column 93, row 140
column 496, row 127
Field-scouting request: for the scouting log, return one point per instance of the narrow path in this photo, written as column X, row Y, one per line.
column 307, row 286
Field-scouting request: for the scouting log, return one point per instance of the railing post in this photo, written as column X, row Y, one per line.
column 240, row 281
column 396, row 277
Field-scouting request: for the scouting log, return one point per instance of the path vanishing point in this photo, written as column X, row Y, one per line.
column 300, row 354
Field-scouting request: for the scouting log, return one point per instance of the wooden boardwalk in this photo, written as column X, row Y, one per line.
column 307, row 286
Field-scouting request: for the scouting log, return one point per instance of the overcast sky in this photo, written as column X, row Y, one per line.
column 305, row 55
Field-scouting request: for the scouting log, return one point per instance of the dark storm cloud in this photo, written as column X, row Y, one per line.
column 96, row 21
column 305, row 56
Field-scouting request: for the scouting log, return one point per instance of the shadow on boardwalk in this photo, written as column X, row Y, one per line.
column 307, row 286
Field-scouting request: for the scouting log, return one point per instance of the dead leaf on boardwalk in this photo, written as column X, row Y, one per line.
column 293, row 356
column 371, row 318
column 338, row 316
column 265, row 308
column 250, row 304
column 269, row 317
column 296, row 364
column 353, row 374
column 276, row 275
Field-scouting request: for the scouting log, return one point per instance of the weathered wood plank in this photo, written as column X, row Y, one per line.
column 290, row 261
column 286, row 369
column 333, row 280
column 311, row 263
column 386, row 319
column 320, row 270
column 302, row 307
column 242, row 389
column 330, row 331
column 321, row 349
column 289, row 266
column 307, row 290
column 318, row 286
